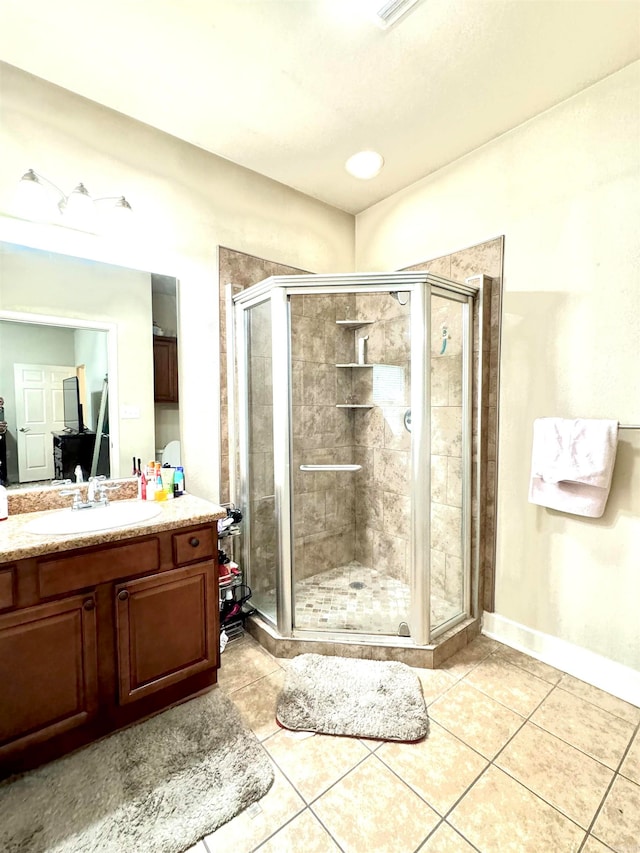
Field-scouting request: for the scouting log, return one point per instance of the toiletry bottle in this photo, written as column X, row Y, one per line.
column 142, row 480
column 167, row 480
column 151, row 482
column 4, row 505
column 178, row 479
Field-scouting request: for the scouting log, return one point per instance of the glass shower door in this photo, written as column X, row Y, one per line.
column 259, row 500
column 450, row 458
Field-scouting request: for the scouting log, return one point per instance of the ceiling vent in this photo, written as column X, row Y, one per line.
column 392, row 11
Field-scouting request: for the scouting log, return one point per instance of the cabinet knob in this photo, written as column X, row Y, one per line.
column 89, row 604
column 123, row 595
column 194, row 541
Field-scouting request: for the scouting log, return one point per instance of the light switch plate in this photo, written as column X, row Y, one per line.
column 129, row 412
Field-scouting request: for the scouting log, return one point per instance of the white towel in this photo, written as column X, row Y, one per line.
column 572, row 464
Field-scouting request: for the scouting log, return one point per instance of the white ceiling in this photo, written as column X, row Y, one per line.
column 291, row 88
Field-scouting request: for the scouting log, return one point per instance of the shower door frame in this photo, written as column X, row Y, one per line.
column 277, row 289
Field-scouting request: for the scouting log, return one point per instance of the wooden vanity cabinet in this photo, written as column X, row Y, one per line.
column 166, row 630
column 96, row 638
column 48, row 671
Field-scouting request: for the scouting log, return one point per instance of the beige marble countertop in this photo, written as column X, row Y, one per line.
column 16, row 543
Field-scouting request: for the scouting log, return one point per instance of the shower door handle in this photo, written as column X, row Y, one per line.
column 331, row 467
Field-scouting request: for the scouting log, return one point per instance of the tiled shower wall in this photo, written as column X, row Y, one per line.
column 323, row 502
column 381, row 442
column 484, row 259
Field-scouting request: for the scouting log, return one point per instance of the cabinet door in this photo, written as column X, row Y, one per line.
column 48, row 671
column 167, row 627
column 165, row 369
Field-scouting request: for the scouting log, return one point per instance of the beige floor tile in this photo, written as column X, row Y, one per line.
column 631, row 764
column 618, row 824
column 618, row 707
column 243, row 663
column 508, row 684
column 499, row 814
column 253, row 826
column 314, row 763
column 463, row 661
column 475, row 718
column 563, row 776
column 434, row 683
column 446, row 840
column 257, row 704
column 439, row 768
column 372, row 810
column 531, row 665
column 592, row 845
column 590, row 729
column 303, row 833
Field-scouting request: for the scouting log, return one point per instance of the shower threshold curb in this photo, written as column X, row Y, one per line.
column 425, row 657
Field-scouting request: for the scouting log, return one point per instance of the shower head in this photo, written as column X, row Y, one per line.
column 400, row 296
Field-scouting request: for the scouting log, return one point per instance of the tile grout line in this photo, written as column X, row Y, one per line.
column 287, row 823
column 443, row 819
column 558, row 684
column 554, row 686
column 599, row 707
column 616, row 775
column 491, row 763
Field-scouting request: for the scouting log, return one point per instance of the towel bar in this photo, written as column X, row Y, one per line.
column 330, row 467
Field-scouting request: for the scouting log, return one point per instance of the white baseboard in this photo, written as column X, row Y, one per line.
column 615, row 678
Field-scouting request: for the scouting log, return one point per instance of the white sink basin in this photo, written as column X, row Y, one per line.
column 116, row 514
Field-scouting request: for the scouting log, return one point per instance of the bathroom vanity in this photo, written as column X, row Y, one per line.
column 98, row 630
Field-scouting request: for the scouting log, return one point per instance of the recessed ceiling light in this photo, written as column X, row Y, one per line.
column 364, row 164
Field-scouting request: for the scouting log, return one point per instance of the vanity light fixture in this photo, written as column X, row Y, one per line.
column 365, row 164
column 78, row 207
column 391, row 12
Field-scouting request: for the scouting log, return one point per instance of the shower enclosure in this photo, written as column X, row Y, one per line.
column 352, row 419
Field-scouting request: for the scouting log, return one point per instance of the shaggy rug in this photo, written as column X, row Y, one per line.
column 348, row 696
column 158, row 786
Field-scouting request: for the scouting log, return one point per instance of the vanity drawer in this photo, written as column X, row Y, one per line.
column 193, row 546
column 91, row 568
column 7, row 587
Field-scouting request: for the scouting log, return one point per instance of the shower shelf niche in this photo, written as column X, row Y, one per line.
column 353, row 324
column 354, row 405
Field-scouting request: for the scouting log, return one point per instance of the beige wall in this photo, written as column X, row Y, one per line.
column 565, row 191
column 186, row 203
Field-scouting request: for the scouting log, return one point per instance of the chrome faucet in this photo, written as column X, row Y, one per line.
column 78, row 503
column 96, row 494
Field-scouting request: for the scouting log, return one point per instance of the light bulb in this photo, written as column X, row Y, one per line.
column 365, row 165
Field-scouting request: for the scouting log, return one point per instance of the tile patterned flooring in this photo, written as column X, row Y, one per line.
column 377, row 604
column 520, row 757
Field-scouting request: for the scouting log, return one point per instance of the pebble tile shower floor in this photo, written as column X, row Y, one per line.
column 358, row 598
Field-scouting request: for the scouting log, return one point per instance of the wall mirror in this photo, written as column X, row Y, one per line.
column 76, row 331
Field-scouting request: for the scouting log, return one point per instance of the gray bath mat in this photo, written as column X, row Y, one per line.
column 348, row 696
column 158, row 786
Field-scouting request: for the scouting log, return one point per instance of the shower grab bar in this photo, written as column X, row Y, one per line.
column 331, row 467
